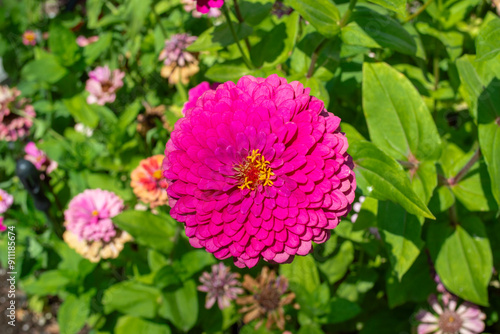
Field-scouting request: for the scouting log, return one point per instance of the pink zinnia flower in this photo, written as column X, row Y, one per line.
column 203, row 6
column 190, row 7
column 16, row 116
column 6, row 200
column 39, row 158
column 221, row 285
column 103, row 84
column 466, row 319
column 2, row 226
column 196, row 92
column 29, row 37
column 83, row 41
column 148, row 183
column 89, row 215
column 258, row 170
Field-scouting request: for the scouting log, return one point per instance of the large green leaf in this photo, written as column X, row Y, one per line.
column 255, row 11
column 302, row 272
column 398, row 119
column 45, row 69
column 452, row 40
column 73, row 313
column 132, row 298
column 62, row 43
column 49, row 283
column 181, row 306
column 488, row 40
column 148, row 229
column 78, row 107
column 398, row 6
column 380, row 176
column 322, row 14
column 340, row 310
column 227, row 72
column 424, row 180
column 400, row 232
column 92, row 51
column 373, row 30
column 276, row 47
column 137, row 11
column 462, row 257
column 219, row 37
column 336, row 267
column 129, row 324
column 93, row 8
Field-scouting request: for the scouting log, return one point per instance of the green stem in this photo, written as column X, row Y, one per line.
column 454, row 180
column 241, row 19
column 419, row 11
column 314, row 58
column 348, row 13
column 233, row 32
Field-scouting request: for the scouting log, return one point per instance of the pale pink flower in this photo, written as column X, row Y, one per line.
column 83, row 129
column 39, row 158
column 450, row 319
column 103, row 84
column 29, row 37
column 16, row 116
column 89, row 215
column 83, row 41
column 6, row 200
column 221, row 285
column 2, row 226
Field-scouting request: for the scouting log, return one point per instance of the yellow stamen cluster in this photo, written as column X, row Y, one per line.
column 157, row 174
column 95, row 213
column 254, row 171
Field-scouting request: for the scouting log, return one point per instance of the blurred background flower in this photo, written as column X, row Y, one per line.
column 103, row 84
column 6, row 200
column 148, row 183
column 16, row 116
column 179, row 64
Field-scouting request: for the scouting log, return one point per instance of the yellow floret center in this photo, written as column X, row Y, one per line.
column 95, row 213
column 30, row 36
column 1, row 198
column 254, row 171
column 157, row 174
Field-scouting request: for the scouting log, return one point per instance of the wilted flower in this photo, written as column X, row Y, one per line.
column 190, row 7
column 258, row 170
column 203, row 6
column 147, row 121
column 103, row 84
column 279, row 9
column 51, row 8
column 16, row 116
column 39, row 158
column 6, row 200
column 221, row 285
column 83, row 129
column 2, row 226
column 180, row 64
column 29, row 37
column 89, row 228
column 83, row 41
column 148, row 183
column 196, row 92
column 266, row 300
column 466, row 319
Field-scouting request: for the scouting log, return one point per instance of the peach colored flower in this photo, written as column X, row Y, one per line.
column 148, row 183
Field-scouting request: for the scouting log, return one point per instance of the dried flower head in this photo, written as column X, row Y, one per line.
column 103, row 84
column 266, row 300
column 148, row 183
column 258, row 170
column 148, row 120
column 280, row 9
column 16, row 115
column 179, row 64
column 221, row 285
column 448, row 319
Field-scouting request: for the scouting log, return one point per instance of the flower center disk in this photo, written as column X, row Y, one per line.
column 254, row 171
column 450, row 322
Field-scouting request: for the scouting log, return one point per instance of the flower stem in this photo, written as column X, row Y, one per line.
column 241, row 19
column 347, row 14
column 314, row 58
column 454, row 180
column 419, row 11
column 233, row 32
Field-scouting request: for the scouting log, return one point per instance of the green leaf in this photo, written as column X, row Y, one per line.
column 424, row 180
column 302, row 272
column 62, row 43
column 357, row 284
column 488, row 41
column 318, row 89
column 181, row 306
column 381, row 177
column 336, row 267
column 310, row 329
column 373, row 30
column 277, row 45
column 489, row 140
column 137, row 11
column 93, row 8
column 340, row 310
column 322, row 14
column 94, row 50
column 132, row 298
column 166, row 276
column 398, row 119
column 128, row 324
column 255, row 11
column 400, row 232
column 46, row 69
column 195, row 261
column 227, row 72
column 49, row 283
column 110, row 183
column 462, row 257
column 398, row 6
column 73, row 313
column 452, row 40
column 147, row 229
column 78, row 107
column 220, row 36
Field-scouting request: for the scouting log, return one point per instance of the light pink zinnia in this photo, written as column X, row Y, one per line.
column 83, row 41
column 89, row 215
column 203, row 6
column 258, row 170
column 2, row 226
column 466, row 319
column 221, row 285
column 196, row 92
column 103, row 84
column 175, row 50
column 16, row 116
column 6, row 200
column 29, row 37
column 39, row 158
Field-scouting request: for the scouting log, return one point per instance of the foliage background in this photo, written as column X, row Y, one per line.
column 417, row 88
